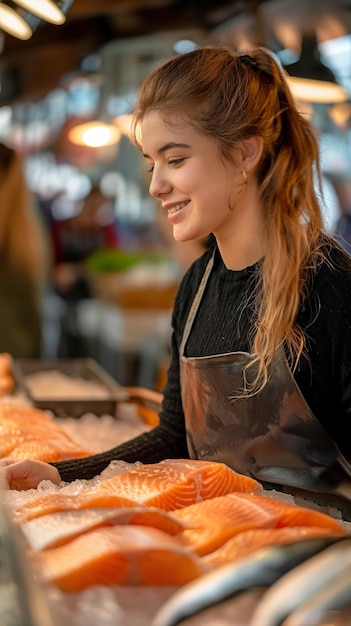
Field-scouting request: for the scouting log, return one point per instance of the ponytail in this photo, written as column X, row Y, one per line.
column 230, row 97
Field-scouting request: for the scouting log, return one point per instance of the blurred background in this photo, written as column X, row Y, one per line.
column 104, row 267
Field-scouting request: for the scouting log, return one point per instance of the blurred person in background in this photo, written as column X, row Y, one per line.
column 92, row 227
column 25, row 257
column 74, row 239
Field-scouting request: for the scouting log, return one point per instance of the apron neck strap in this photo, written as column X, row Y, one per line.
column 195, row 304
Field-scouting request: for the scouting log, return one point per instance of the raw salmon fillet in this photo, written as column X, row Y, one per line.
column 248, row 541
column 168, row 485
column 49, row 531
column 54, row 502
column 176, row 483
column 26, row 432
column 133, row 555
column 213, row 522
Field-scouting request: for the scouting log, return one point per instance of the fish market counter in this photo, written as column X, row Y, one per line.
column 99, row 605
column 211, row 548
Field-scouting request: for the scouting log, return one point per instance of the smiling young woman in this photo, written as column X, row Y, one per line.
column 260, row 374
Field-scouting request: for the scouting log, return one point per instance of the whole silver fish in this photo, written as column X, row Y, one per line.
column 336, row 596
column 335, row 618
column 314, row 576
column 260, row 569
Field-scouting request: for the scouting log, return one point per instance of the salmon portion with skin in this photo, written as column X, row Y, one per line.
column 54, row 502
column 167, row 485
column 213, row 522
column 132, row 555
column 177, row 483
column 30, row 433
column 249, row 541
column 49, row 531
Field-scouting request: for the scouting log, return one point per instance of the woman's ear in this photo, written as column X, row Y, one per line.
column 251, row 151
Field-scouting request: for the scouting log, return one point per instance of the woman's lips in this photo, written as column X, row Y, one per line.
column 176, row 207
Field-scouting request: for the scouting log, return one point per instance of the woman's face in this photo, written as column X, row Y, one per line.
column 188, row 177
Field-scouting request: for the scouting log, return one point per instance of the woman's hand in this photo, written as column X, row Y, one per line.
column 27, row 474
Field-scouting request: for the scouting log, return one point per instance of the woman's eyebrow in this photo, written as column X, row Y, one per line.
column 168, row 146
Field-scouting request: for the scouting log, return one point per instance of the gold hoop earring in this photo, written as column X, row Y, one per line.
column 246, row 180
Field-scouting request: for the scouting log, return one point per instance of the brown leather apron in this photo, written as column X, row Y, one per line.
column 272, row 436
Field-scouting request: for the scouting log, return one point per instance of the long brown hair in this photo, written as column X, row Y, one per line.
column 23, row 245
column 231, row 96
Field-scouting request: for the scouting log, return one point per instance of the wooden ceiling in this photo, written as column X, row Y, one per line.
column 30, row 69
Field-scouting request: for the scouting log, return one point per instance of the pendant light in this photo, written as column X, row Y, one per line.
column 13, row 24
column 47, row 10
column 94, row 134
column 309, row 79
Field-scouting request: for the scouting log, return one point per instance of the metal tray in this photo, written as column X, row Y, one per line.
column 86, row 369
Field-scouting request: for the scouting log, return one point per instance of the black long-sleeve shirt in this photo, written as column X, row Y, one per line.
column 223, row 325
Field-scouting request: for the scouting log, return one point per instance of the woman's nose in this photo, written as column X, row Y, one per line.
column 158, row 185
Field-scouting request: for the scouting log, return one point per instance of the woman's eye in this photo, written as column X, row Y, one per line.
column 150, row 169
column 175, row 161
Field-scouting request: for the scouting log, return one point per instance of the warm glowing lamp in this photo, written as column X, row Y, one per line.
column 310, row 80
column 94, row 134
column 317, row 91
column 13, row 24
column 45, row 9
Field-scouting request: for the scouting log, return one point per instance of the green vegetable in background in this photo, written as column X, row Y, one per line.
column 110, row 260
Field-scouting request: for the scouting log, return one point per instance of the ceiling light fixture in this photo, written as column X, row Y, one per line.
column 13, row 24
column 45, row 9
column 310, row 80
column 94, row 134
